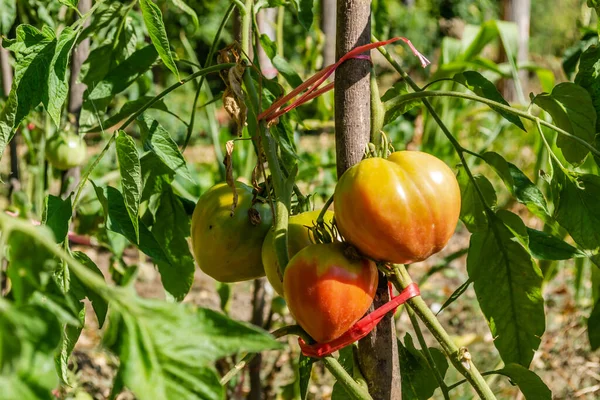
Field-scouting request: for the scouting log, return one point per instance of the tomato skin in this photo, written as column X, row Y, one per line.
column 65, row 151
column 327, row 292
column 402, row 209
column 226, row 247
column 298, row 238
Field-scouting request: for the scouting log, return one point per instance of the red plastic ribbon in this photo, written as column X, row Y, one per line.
column 362, row 327
column 311, row 84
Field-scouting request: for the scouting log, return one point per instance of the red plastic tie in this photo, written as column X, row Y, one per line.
column 309, row 87
column 362, row 327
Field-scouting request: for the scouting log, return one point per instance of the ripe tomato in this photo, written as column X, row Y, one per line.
column 65, row 150
column 327, row 292
column 298, row 238
column 400, row 210
column 227, row 247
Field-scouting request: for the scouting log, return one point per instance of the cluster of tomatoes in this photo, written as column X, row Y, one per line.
column 401, row 209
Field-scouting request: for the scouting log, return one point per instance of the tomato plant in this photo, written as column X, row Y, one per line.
column 227, row 238
column 162, row 100
column 298, row 238
column 401, row 209
column 327, row 291
column 66, row 150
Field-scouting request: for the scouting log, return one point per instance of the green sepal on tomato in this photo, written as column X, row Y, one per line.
column 298, row 237
column 227, row 244
column 66, row 150
column 401, row 209
column 327, row 291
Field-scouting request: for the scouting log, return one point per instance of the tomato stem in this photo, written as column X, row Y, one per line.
column 353, row 388
column 401, row 279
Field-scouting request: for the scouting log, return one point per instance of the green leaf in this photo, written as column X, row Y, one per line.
column 472, row 210
column 29, row 336
column 588, row 77
column 576, row 206
column 69, row 3
column 304, row 8
column 545, row 246
column 508, row 287
column 58, row 78
column 70, row 335
column 283, row 66
column 131, row 177
column 593, row 325
column 418, row 379
column 34, row 51
column 393, row 103
column 519, row 185
column 166, row 349
column 158, row 34
column 117, row 80
column 8, row 15
column 81, row 291
column 156, row 177
column 112, row 51
column 457, row 293
column 572, row 110
column 57, row 214
column 31, row 265
column 159, row 141
column 479, row 85
column 128, row 109
column 305, row 365
column 171, row 229
column 118, row 220
column 532, row 387
column 188, row 10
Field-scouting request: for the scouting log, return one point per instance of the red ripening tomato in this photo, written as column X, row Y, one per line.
column 327, row 292
column 401, row 209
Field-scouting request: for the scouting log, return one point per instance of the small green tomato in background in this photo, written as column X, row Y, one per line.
column 66, row 150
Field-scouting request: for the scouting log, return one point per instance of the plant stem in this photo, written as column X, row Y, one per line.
column 327, row 204
column 401, row 279
column 455, row 385
column 246, row 23
column 353, row 388
column 428, row 356
column 280, row 22
column 132, row 118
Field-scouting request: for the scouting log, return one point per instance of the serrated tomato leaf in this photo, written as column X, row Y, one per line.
column 572, row 110
column 160, row 142
column 56, row 216
column 171, row 229
column 158, row 34
column 508, row 287
column 418, row 379
column 166, row 349
column 472, row 210
column 131, row 177
column 532, row 387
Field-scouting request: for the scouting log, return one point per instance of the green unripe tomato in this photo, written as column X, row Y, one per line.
column 65, row 151
column 226, row 245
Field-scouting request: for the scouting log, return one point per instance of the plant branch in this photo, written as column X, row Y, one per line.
column 353, row 388
column 455, row 385
column 465, row 366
